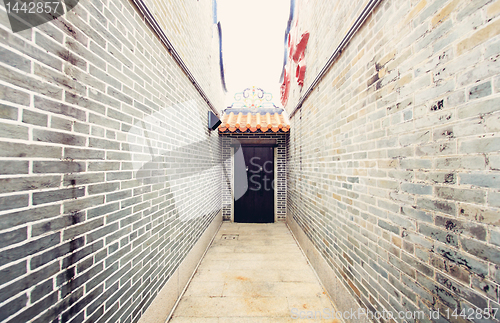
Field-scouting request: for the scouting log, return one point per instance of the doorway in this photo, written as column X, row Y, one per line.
column 257, row 204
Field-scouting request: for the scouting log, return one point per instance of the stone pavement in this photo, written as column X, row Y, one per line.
column 253, row 273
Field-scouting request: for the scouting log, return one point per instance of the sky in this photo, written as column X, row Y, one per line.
column 253, row 44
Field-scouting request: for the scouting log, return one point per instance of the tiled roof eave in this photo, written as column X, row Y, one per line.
column 254, row 122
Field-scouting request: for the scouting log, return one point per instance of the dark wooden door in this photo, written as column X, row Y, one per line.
column 257, row 204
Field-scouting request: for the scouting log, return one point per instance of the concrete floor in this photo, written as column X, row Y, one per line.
column 262, row 276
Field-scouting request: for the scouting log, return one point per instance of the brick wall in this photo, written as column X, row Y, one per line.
column 280, row 185
column 108, row 173
column 394, row 158
column 198, row 47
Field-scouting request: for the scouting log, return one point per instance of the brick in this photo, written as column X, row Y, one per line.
column 54, row 311
column 416, row 214
column 56, row 49
column 55, row 253
column 58, row 167
column 58, row 195
column 442, row 178
column 13, row 306
column 479, row 213
column 444, row 13
column 480, row 250
column 8, row 149
column 415, row 163
column 104, row 144
column 81, row 128
column 464, row 162
column 484, row 286
column 61, row 124
column 13, row 201
column 58, row 137
column 28, row 248
column 78, row 306
column 85, row 264
column 461, row 291
column 100, row 74
column 495, row 237
column 82, row 228
column 14, row 95
column 70, row 30
column 438, row 234
column 81, row 254
column 480, row 90
column 28, row 83
column 40, row 291
column 81, row 204
column 103, row 98
column 476, row 266
column 12, row 272
column 100, row 233
column 35, row 118
column 457, row 226
column 8, row 112
column 58, row 223
column 13, row 237
column 103, row 188
column 13, row 131
column 416, row 188
column 12, row 59
column 75, row 282
column 436, row 205
column 483, row 145
column 59, row 108
column 119, row 116
column 463, row 195
column 482, row 180
column 86, row 154
column 471, row 8
column 478, row 37
column 82, row 178
column 10, row 167
column 477, row 108
column 52, row 32
column 118, row 195
column 98, row 302
column 113, row 176
column 84, row 102
column 16, row 184
column 84, row 78
column 101, row 277
column 10, row 40
column 494, row 199
column 492, row 123
column 33, row 214
column 434, row 149
column 103, row 121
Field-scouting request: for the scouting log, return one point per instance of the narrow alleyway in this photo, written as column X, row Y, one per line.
column 253, row 273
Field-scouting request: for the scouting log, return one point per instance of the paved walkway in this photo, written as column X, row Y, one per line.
column 260, row 276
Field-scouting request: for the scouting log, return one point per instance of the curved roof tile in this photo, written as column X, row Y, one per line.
column 253, row 119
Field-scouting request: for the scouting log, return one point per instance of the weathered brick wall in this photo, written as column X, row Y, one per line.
column 108, row 173
column 327, row 22
column 394, row 158
column 198, row 47
column 280, row 184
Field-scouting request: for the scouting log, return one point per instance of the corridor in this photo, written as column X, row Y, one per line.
column 128, row 148
column 253, row 273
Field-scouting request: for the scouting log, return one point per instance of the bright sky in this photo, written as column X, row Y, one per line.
column 252, row 40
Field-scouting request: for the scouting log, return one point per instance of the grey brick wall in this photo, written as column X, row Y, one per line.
column 108, row 173
column 280, row 186
column 393, row 159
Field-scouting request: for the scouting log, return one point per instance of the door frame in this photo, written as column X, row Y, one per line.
column 275, row 166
